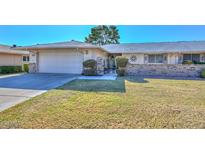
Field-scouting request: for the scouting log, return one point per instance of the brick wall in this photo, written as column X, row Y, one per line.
column 165, row 69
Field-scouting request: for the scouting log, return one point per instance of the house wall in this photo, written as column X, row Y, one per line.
column 94, row 54
column 100, row 56
column 10, row 60
column 139, row 58
column 143, row 58
column 87, row 54
column 172, row 66
column 172, row 58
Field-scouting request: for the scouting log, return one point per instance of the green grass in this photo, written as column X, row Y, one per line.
column 124, row 103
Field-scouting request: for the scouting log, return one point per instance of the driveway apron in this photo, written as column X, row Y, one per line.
column 16, row 89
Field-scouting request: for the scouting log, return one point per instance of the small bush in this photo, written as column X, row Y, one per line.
column 187, row 62
column 202, row 73
column 26, row 68
column 91, row 63
column 10, row 69
column 89, row 72
column 90, row 67
column 120, row 71
column 121, row 62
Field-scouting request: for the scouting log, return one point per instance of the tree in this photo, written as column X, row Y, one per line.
column 101, row 35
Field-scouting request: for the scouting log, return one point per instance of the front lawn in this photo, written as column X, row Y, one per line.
column 124, row 103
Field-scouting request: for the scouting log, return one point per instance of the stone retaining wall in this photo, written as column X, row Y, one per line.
column 183, row 70
column 32, row 68
column 100, row 66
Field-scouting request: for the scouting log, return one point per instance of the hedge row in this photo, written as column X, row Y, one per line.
column 10, row 69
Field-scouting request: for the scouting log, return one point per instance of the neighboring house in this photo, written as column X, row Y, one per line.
column 164, row 58
column 11, row 57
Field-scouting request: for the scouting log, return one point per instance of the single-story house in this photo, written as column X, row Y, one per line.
column 63, row 57
column 163, row 58
column 11, row 57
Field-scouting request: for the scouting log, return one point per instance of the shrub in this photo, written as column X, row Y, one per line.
column 26, row 68
column 202, row 73
column 17, row 69
column 120, row 71
column 89, row 72
column 199, row 62
column 91, row 63
column 10, row 69
column 121, row 62
column 90, row 67
column 187, row 62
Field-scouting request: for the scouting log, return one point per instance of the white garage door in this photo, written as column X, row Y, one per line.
column 60, row 62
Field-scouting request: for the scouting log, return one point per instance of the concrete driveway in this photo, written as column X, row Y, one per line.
column 18, row 88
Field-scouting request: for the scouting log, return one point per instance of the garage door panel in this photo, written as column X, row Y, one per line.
column 60, row 62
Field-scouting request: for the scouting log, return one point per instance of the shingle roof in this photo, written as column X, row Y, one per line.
column 161, row 47
column 9, row 50
column 68, row 44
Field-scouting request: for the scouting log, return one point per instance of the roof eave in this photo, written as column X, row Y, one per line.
column 16, row 53
column 73, row 47
column 156, row 52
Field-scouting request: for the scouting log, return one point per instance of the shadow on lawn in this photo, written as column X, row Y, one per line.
column 101, row 85
column 95, row 86
column 114, row 86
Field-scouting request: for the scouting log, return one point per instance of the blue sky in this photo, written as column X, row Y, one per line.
column 27, row 35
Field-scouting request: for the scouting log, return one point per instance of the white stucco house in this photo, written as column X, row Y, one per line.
column 163, row 58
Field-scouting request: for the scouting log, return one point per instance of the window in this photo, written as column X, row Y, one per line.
column 196, row 57
column 191, row 57
column 155, row 58
column 187, row 57
column 151, row 58
column 159, row 58
column 25, row 58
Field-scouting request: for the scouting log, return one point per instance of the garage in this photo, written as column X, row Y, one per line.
column 60, row 62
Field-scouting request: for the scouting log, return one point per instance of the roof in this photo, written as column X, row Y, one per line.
column 160, row 47
column 9, row 50
column 60, row 45
column 157, row 47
